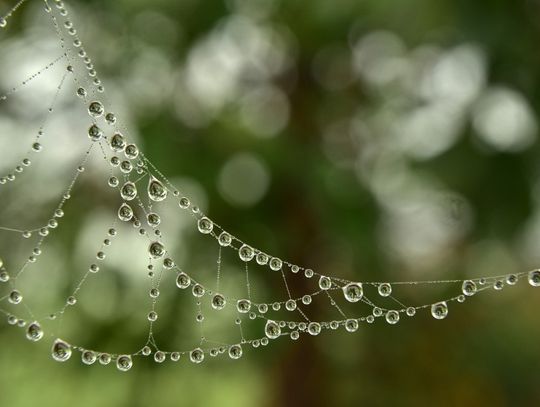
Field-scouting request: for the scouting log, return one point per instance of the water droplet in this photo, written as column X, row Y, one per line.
column 308, row 273
column 95, row 109
column 131, row 151
column 105, row 359
column 146, row 350
column 385, row 289
column 159, row 357
column 411, row 311
column 81, row 92
column 110, row 118
column 15, row 297
column 196, row 355
column 243, row 306
column 152, row 316
column 275, row 264
column 314, row 328
column 272, row 329
column 125, row 213
column 218, row 302
column 306, row 299
column 235, row 352
column 61, row 351
column 3, row 22
column 439, row 310
column 168, row 263
column 124, row 363
column 263, row 308
column 468, row 288
column 156, row 250
column 351, row 325
column 392, row 317
column 154, row 293
column 4, row 276
column 290, row 305
column 126, row 167
column 34, row 332
column 71, row 300
column 117, row 142
column 36, row 147
column 377, row 312
column 175, row 356
column 511, row 279
column 183, row 281
column 128, row 191
column 88, row 357
column 498, row 285
column 224, row 239
column 370, row 319
column 325, row 283
column 534, row 278
column 261, row 259
column 95, row 133
column 353, row 292
column 205, row 225
column 156, row 190
column 246, row 253
column 198, row 290
column 153, row 219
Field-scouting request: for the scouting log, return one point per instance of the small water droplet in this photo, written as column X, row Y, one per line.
column 196, row 355
column 534, row 278
column 128, row 191
column 272, row 329
column 125, row 213
column 325, row 283
column 224, row 239
column 88, row 357
column 131, row 151
column 314, row 328
column 124, row 363
column 290, row 305
column 198, row 290
column 117, row 142
column 15, row 297
column 392, row 317
column 34, row 332
column 95, row 109
column 218, row 302
column 95, row 133
column 156, row 190
column 468, row 288
column 235, row 352
column 183, row 281
column 61, row 351
column 353, row 292
column 351, row 325
column 384, row 289
column 205, row 225
column 246, row 253
column 261, row 259
column 439, row 310
column 159, row 357
column 243, row 306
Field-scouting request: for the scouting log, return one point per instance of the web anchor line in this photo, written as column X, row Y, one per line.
column 142, row 207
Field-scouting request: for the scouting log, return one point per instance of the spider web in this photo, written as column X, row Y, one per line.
column 144, row 206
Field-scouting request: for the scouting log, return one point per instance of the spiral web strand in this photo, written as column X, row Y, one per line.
column 141, row 191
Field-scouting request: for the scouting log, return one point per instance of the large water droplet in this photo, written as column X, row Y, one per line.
column 117, row 142
column 243, row 306
column 314, row 328
column 95, row 133
column 156, row 250
column 224, row 239
column 468, row 288
column 290, row 305
column 392, row 317
column 198, row 290
column 534, row 278
column 61, row 351
column 156, row 190
column 153, row 219
column 131, row 151
column 128, row 191
column 88, row 357
column 124, row 363
column 351, row 325
column 272, row 329
column 246, row 253
column 218, row 302
column 325, row 283
column 439, row 310
column 353, row 292
column 34, row 332
column 235, row 352
column 205, row 225
column 275, row 264
column 125, row 213
column 196, row 355
column 385, row 289
column 95, row 109
column 183, row 281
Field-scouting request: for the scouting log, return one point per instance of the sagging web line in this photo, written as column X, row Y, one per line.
column 127, row 177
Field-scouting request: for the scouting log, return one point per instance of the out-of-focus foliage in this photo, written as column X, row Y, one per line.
column 372, row 140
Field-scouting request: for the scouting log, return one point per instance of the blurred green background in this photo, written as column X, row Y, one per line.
column 370, row 140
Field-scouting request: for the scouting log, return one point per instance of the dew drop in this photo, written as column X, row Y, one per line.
column 156, row 190
column 95, row 109
column 511, row 279
column 175, row 356
column 261, row 259
column 205, row 225
column 353, row 292
column 290, row 305
column 392, row 317
column 218, row 302
column 34, row 332
column 314, row 328
column 196, row 355
column 377, row 312
column 15, row 297
column 246, row 253
column 275, row 264
column 152, row 316
column 95, row 133
column 126, row 167
column 131, row 151
column 325, row 283
column 153, row 219
column 3, row 22
column 439, row 310
column 156, row 250
column 235, row 352
column 263, row 308
column 411, row 311
column 183, row 281
column 124, row 363
column 243, row 306
column 385, row 289
column 110, row 118
column 498, row 285
column 81, row 92
column 125, row 213
column 117, row 142
column 128, row 191
column 88, row 357
column 468, row 288
column 61, row 351
column 351, row 325
column 272, row 329
column 105, row 359
column 198, row 290
column 306, row 299
column 224, row 239
column 534, row 278
column 159, row 357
